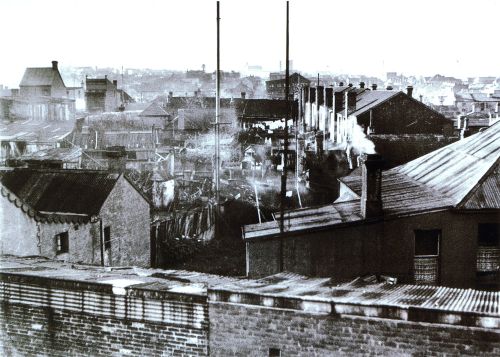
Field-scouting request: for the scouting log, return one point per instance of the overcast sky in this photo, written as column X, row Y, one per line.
column 371, row 37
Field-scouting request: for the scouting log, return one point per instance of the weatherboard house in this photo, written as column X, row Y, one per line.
column 433, row 220
column 91, row 217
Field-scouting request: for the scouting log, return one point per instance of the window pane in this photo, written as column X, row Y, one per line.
column 427, row 242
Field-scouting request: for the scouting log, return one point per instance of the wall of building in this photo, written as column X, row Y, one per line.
column 18, row 232
column 349, row 252
column 403, row 115
column 246, row 330
column 83, row 241
column 126, row 212
column 46, row 317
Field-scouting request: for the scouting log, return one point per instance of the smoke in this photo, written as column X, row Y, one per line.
column 360, row 142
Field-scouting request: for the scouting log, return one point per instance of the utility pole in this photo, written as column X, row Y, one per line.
column 217, row 120
column 285, row 151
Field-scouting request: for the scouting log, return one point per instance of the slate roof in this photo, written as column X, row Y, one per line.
column 41, row 76
column 462, row 175
column 65, row 192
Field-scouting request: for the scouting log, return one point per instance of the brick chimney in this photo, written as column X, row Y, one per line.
column 305, row 89
column 409, row 91
column 338, row 98
column 374, row 86
column 115, row 83
column 371, row 191
column 54, row 65
column 329, row 97
column 243, row 95
column 351, row 100
column 117, row 158
column 362, row 85
column 320, row 95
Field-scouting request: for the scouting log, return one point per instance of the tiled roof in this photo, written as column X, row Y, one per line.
column 79, row 192
column 42, row 76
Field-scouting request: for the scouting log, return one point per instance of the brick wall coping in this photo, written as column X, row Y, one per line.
column 365, row 297
column 131, row 281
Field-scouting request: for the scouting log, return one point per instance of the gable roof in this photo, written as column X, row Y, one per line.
column 369, row 99
column 454, row 170
column 60, row 192
column 153, row 110
column 39, row 76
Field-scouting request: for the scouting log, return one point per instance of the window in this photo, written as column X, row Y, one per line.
column 62, row 245
column 426, row 259
column 274, row 352
column 488, row 256
column 107, row 238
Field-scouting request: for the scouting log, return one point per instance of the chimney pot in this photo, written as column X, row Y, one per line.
column 54, row 65
column 409, row 91
column 341, row 84
column 374, row 86
column 350, row 85
column 362, row 85
column 389, row 88
column 371, row 191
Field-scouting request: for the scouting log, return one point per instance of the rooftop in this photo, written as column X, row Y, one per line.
column 58, row 194
column 39, row 76
column 362, row 297
column 35, row 131
column 461, row 175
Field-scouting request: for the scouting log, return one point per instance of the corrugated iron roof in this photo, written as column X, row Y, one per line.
column 439, row 180
column 54, row 154
column 456, row 169
column 60, row 191
column 369, row 292
column 487, row 194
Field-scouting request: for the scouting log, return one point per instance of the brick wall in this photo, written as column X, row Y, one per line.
column 246, row 330
column 41, row 316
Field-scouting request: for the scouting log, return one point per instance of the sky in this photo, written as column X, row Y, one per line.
column 412, row 37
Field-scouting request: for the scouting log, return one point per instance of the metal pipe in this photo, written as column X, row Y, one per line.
column 217, row 114
column 285, row 151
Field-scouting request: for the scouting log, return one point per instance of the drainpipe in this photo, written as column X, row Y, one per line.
column 101, row 239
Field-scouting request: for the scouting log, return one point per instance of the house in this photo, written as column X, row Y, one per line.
column 434, row 220
column 43, row 82
column 102, row 95
column 477, row 102
column 93, row 217
column 42, row 96
column 155, row 115
column 275, row 88
column 355, row 120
